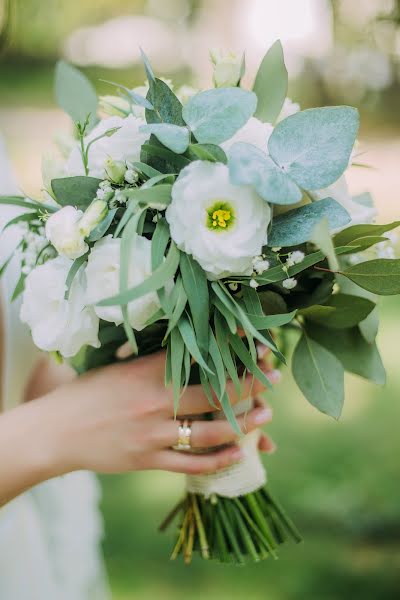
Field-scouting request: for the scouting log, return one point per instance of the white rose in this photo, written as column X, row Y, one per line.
column 227, row 68
column 339, row 191
column 102, row 274
column 58, row 324
column 253, row 132
column 62, row 230
column 222, row 225
column 124, row 145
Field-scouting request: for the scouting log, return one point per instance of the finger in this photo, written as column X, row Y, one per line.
column 266, row 444
column 194, row 401
column 206, row 434
column 196, row 464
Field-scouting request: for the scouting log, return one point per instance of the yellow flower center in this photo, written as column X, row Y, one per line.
column 220, row 216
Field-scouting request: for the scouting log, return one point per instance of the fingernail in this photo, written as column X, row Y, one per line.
column 263, row 416
column 261, row 350
column 237, row 455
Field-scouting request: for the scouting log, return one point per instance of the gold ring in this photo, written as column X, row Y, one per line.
column 184, row 435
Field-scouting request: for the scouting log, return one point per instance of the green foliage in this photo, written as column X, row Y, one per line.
column 77, row 191
column 215, row 115
column 380, row 276
column 356, row 233
column 296, row 226
column 75, row 94
column 209, row 152
column 319, row 375
column 174, row 137
column 249, row 165
column 313, row 147
column 350, row 347
column 342, row 311
column 166, row 106
column 321, row 238
column 271, row 84
column 196, row 290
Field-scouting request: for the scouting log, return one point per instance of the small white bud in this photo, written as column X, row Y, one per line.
column 131, row 176
column 227, row 68
column 253, row 284
column 289, row 283
column 233, row 286
column 93, row 215
column 276, row 249
column 115, row 170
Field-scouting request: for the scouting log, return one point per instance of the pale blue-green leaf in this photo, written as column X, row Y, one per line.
column 168, row 177
column 75, row 94
column 271, row 84
column 319, row 375
column 320, row 236
column 296, row 226
column 215, row 115
column 134, row 97
column 249, row 165
column 174, row 137
column 314, row 146
column 146, row 169
column 149, row 71
column 77, row 191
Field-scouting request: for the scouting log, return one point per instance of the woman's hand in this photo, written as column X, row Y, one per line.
column 113, row 419
column 120, row 418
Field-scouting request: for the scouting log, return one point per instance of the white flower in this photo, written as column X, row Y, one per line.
column 253, row 284
column 260, row 264
column 227, row 68
column 124, row 145
column 58, row 324
column 222, row 225
column 289, row 283
column 102, row 274
column 339, row 191
column 289, row 108
column 131, row 176
column 294, row 258
column 62, row 230
column 253, row 132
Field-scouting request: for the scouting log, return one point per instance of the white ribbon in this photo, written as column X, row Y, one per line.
column 241, row 478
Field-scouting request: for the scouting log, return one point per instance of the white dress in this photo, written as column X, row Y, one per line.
column 49, row 536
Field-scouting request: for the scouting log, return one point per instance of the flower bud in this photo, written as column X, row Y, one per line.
column 228, row 68
column 92, row 216
column 114, row 106
column 115, row 170
column 62, row 230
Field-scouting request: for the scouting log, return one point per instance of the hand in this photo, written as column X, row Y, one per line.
column 120, row 418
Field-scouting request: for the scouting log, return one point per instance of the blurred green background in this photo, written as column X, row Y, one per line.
column 340, row 481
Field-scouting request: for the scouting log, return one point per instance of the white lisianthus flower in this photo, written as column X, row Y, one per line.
column 57, row 324
column 62, row 230
column 227, row 68
column 339, row 191
column 289, row 108
column 102, row 274
column 253, row 132
column 123, row 145
column 221, row 225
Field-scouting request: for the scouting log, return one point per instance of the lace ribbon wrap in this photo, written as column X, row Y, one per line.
column 239, row 479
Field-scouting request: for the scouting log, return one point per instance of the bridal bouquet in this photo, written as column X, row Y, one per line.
column 206, row 222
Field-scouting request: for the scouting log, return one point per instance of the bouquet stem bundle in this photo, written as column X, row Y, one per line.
column 230, row 530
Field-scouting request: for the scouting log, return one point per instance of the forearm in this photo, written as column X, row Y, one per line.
column 26, row 456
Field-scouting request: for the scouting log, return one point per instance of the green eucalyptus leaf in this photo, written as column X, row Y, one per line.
column 356, row 233
column 354, row 352
column 177, row 356
column 320, row 236
column 215, row 115
column 319, row 375
column 345, row 311
column 223, row 345
column 244, row 355
column 189, row 337
column 77, row 191
column 146, row 169
column 174, row 137
column 218, row 364
column 24, row 203
column 19, row 288
column 196, row 288
column 271, row 84
column 75, row 94
column 380, row 276
column 249, row 165
column 314, row 146
column 296, row 226
column 133, row 97
column 148, row 68
column 178, row 301
column 209, row 152
column 160, row 152
column 167, row 107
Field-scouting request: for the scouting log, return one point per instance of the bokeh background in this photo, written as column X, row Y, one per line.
column 340, row 481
